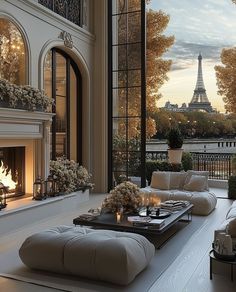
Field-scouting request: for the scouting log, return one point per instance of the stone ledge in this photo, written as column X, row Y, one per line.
column 25, row 211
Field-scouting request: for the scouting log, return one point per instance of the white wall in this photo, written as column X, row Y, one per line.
column 41, row 29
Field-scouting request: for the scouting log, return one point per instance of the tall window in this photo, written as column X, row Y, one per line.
column 62, row 81
column 127, row 95
column 12, row 53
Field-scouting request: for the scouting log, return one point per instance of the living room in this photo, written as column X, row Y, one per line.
column 84, row 112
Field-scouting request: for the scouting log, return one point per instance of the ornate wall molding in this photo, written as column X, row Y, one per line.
column 67, row 38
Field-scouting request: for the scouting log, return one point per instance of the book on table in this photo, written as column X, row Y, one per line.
column 146, row 221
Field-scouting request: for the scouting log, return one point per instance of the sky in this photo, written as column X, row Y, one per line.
column 204, row 26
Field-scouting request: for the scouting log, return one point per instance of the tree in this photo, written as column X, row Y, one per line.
column 156, row 68
column 226, row 78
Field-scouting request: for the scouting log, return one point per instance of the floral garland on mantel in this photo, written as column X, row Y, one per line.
column 24, row 97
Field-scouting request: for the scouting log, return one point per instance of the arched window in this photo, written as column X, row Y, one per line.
column 12, row 53
column 62, row 81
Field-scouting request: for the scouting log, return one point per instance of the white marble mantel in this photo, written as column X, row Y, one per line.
column 32, row 130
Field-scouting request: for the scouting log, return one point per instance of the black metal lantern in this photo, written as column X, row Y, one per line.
column 38, row 189
column 51, row 186
column 3, row 196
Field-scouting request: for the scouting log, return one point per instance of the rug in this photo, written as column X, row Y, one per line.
column 11, row 265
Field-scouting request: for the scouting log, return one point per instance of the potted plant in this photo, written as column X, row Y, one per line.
column 175, row 142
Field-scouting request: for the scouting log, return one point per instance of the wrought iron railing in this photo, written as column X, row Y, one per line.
column 218, row 164
column 69, row 9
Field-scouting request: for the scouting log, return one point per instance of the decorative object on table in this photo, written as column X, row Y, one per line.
column 24, row 97
column 119, row 214
column 146, row 221
column 51, row 189
column 70, row 175
column 175, row 143
column 223, row 247
column 3, row 196
column 126, row 195
column 38, row 190
column 154, row 212
column 173, row 206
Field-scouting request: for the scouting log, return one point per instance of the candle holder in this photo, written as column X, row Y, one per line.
column 3, row 196
column 51, row 188
column 38, row 190
column 119, row 214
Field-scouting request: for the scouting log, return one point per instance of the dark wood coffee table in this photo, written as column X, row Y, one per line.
column 108, row 221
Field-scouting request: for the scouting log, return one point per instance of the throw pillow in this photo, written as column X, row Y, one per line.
column 160, row 180
column 197, row 183
column 177, row 180
column 197, row 172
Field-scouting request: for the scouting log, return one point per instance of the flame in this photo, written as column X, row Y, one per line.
column 6, row 178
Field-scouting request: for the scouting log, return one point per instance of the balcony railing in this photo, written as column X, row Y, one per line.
column 218, row 164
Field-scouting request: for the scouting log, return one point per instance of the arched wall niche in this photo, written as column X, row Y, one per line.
column 21, row 29
column 86, row 99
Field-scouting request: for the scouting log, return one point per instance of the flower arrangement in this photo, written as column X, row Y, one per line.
column 126, row 195
column 24, row 96
column 70, row 175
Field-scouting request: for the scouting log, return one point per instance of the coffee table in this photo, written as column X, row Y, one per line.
column 108, row 221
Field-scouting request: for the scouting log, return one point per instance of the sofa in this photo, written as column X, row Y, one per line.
column 189, row 186
column 229, row 224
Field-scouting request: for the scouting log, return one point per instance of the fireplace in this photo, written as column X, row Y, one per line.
column 12, row 170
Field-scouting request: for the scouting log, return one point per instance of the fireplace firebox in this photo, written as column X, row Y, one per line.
column 12, row 170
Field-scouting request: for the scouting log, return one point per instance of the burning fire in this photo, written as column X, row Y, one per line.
column 6, row 178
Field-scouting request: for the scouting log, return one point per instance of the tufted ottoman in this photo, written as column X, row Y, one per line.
column 116, row 257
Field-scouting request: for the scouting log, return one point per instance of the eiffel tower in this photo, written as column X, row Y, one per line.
column 200, row 100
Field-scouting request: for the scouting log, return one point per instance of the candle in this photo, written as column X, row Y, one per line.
column 118, row 217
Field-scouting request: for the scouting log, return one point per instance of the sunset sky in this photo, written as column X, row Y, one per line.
column 198, row 26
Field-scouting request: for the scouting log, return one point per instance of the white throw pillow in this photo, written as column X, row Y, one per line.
column 197, row 172
column 177, row 180
column 197, row 183
column 231, row 228
column 160, row 180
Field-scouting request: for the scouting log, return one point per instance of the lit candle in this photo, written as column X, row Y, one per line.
column 118, row 217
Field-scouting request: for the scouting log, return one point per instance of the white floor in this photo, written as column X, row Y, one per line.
column 189, row 272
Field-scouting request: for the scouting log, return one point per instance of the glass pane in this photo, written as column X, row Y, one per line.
column 73, row 114
column 119, row 60
column 123, row 6
column 120, row 127
column 134, row 101
column 134, row 56
column 119, row 102
column 134, row 163
column 134, row 78
column 61, row 117
column 134, row 128
column 119, row 160
column 12, row 53
column 134, row 23
column 119, row 79
column 119, row 24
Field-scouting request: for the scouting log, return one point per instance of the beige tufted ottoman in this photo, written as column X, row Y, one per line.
column 116, row 257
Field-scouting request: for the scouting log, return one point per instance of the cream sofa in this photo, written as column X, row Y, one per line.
column 191, row 186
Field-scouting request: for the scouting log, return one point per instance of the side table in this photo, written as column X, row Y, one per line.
column 231, row 263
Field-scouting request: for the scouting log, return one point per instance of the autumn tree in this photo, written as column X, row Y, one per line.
column 156, row 68
column 226, row 78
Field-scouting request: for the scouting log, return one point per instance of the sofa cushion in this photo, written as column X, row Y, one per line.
column 204, row 202
column 231, row 227
column 116, row 257
column 160, row 180
column 197, row 183
column 195, row 172
column 232, row 211
column 177, row 180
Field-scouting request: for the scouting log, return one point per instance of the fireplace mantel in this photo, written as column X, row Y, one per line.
column 32, row 130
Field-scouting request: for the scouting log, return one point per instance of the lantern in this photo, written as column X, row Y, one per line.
column 51, row 188
column 38, row 190
column 3, row 196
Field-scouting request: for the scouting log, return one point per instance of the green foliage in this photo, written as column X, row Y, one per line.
column 154, row 165
column 232, row 187
column 174, row 138
column 187, row 161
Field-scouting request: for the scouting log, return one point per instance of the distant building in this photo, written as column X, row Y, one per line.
column 199, row 101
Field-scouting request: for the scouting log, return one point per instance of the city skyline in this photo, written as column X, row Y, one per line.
column 198, row 27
